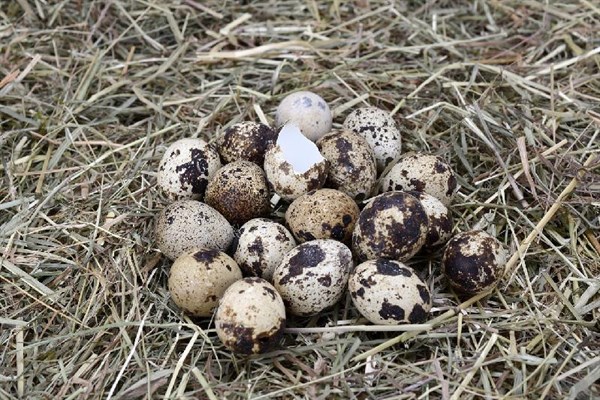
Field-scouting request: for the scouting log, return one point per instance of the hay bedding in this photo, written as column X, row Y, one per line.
column 92, row 92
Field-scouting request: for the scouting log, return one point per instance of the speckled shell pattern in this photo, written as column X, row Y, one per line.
column 239, row 191
column 313, row 276
column 440, row 220
column 379, row 130
column 251, row 317
column 388, row 292
column 198, row 279
column 308, row 111
column 392, row 225
column 186, row 167
column 260, row 247
column 322, row 214
column 187, row 225
column 286, row 182
column 352, row 164
column 246, row 141
column 423, row 173
column 474, row 261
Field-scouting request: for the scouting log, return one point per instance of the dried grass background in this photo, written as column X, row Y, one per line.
column 92, row 92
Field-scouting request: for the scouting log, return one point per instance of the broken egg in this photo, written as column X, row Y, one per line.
column 294, row 166
column 308, row 111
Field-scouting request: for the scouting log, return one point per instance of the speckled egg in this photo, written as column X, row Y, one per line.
column 352, row 165
column 387, row 292
column 239, row 191
column 261, row 246
column 313, row 276
column 187, row 225
column 251, row 317
column 379, row 129
column 294, row 166
column 392, row 225
column 474, row 261
column 186, row 167
column 440, row 220
column 306, row 110
column 322, row 214
column 423, row 173
column 198, row 279
column 246, row 141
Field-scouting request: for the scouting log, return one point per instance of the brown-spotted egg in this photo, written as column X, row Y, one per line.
column 246, row 141
column 308, row 111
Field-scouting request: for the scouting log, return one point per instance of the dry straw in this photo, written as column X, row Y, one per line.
column 91, row 93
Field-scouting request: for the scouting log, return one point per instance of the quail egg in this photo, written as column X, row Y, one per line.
column 322, row 214
column 423, row 173
column 186, row 167
column 392, row 225
column 313, row 276
column 246, row 141
column 239, row 191
column 352, row 165
column 379, row 129
column 440, row 220
column 473, row 261
column 294, row 165
column 198, row 279
column 261, row 246
column 251, row 317
column 308, row 111
column 187, row 225
column 387, row 292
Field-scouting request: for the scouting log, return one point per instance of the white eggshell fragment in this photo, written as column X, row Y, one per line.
column 313, row 276
column 294, row 165
column 422, row 173
column 387, row 292
column 198, row 279
column 261, row 246
column 322, row 214
column 251, row 317
column 352, row 165
column 239, row 191
column 474, row 261
column 392, row 225
column 186, row 225
column 186, row 167
column 379, row 129
column 246, row 141
column 308, row 111
column 440, row 220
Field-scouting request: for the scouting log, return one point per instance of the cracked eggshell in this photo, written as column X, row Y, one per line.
column 352, row 165
column 187, row 225
column 294, row 165
column 474, row 261
column 186, row 167
column 198, row 279
column 387, row 292
column 440, row 220
column 246, row 141
column 251, row 317
column 379, row 129
column 239, row 191
column 261, row 246
column 422, row 173
column 308, row 111
column 322, row 214
column 313, row 276
column 392, row 225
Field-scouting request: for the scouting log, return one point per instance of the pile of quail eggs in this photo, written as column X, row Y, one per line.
column 268, row 222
